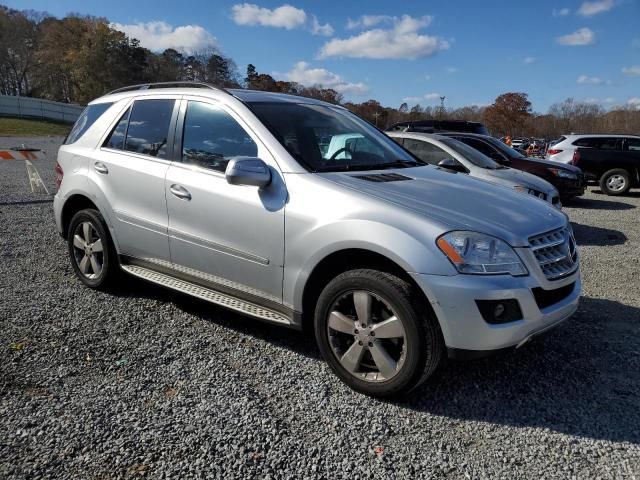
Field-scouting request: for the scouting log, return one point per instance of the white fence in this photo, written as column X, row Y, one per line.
column 28, row 107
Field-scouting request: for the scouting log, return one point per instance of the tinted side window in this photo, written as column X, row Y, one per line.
column 85, row 120
column 632, row 144
column 149, row 127
column 482, row 147
column 211, row 137
column 116, row 139
column 601, row 143
column 425, row 151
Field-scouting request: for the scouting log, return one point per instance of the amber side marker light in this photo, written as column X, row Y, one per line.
column 449, row 251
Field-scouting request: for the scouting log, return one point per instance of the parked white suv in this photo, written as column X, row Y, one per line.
column 235, row 197
column 564, row 148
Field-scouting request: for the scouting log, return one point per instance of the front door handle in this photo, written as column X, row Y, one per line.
column 180, row 192
column 100, row 168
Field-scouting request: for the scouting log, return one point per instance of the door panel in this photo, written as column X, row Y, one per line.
column 130, row 170
column 228, row 231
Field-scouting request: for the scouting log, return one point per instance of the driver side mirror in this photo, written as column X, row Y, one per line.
column 451, row 164
column 248, row 171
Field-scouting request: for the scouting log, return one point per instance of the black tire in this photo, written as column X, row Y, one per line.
column 107, row 258
column 423, row 343
column 621, row 175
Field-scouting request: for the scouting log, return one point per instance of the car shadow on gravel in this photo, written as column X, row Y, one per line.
column 596, row 204
column 582, row 379
column 597, row 236
column 297, row 341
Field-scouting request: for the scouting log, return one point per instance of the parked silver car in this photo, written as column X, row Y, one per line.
column 455, row 155
column 235, row 197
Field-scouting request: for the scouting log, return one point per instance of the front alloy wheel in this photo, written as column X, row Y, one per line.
column 377, row 332
column 366, row 336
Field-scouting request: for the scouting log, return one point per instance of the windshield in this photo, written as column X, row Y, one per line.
column 325, row 139
column 471, row 154
column 506, row 149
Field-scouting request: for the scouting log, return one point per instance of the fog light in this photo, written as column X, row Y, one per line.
column 500, row 311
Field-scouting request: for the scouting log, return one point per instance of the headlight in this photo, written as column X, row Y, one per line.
column 530, row 191
column 477, row 253
column 559, row 172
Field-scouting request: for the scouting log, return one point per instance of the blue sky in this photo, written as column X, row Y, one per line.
column 469, row 51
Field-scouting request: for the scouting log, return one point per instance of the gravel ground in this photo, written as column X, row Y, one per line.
column 147, row 383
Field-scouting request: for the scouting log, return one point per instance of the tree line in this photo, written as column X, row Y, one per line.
column 78, row 58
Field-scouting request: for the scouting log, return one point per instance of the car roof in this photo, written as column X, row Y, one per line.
column 599, row 135
column 418, row 135
column 251, row 96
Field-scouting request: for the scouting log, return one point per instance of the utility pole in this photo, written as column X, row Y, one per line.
column 376, row 115
column 442, row 99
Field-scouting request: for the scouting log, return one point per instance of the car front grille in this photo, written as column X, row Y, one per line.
column 555, row 252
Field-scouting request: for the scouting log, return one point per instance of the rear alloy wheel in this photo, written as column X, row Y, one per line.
column 92, row 254
column 375, row 332
column 615, row 182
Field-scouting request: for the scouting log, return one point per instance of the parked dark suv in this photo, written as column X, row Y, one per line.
column 568, row 179
column 438, row 126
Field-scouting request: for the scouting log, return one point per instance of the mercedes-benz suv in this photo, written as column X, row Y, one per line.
column 237, row 197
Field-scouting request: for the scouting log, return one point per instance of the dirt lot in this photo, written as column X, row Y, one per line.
column 144, row 382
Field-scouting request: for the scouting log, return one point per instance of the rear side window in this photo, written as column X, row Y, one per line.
column 211, row 137
column 149, row 127
column 87, row 118
column 633, row 144
column 600, row 143
column 116, row 139
column 425, row 151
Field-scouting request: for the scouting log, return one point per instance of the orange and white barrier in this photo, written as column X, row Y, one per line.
column 21, row 155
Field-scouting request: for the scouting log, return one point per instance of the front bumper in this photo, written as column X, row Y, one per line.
column 454, row 302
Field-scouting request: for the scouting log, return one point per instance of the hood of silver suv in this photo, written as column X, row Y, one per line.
column 460, row 202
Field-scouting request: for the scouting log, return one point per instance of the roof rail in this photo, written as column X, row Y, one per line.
column 147, row 86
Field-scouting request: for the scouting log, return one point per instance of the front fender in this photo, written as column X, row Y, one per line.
column 308, row 250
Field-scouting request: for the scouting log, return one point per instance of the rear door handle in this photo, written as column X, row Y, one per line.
column 180, row 192
column 100, row 168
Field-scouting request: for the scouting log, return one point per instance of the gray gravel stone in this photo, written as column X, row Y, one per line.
column 147, row 383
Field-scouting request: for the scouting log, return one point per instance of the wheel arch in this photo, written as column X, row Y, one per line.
column 71, row 206
column 344, row 260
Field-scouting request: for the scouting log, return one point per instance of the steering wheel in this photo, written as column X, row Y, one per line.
column 340, row 150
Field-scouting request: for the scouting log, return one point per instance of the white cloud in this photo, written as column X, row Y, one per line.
column 583, row 36
column 426, row 96
column 633, row 71
column 609, row 100
column 400, row 41
column 318, row 29
column 284, row 16
column 368, row 21
column 634, row 102
column 529, row 60
column 160, row 36
column 562, row 12
column 413, row 100
column 586, row 80
column 588, row 9
column 303, row 73
column 452, row 70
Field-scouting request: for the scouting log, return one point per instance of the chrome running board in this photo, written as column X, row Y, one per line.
column 213, row 296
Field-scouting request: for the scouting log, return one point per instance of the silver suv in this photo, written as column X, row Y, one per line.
column 241, row 198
